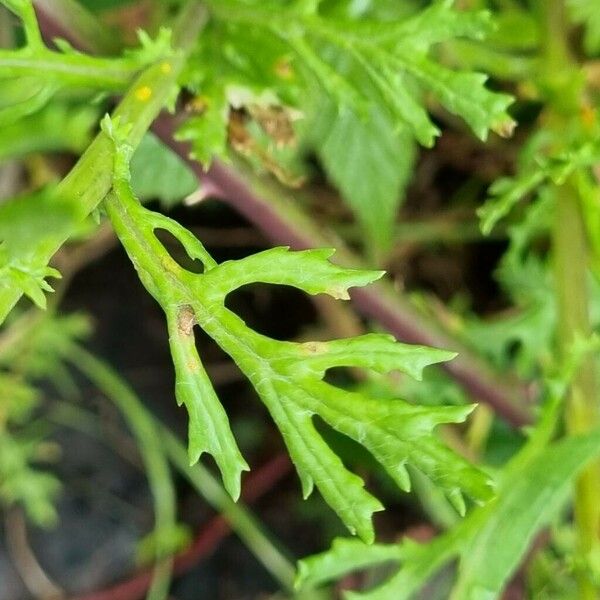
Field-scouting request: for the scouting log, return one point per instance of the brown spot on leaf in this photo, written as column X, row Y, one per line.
column 192, row 366
column 505, row 128
column 186, row 319
column 197, row 105
column 276, row 122
column 283, row 68
column 315, row 347
column 246, row 144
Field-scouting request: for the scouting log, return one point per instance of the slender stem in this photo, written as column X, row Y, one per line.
column 156, row 466
column 239, row 517
column 571, row 271
column 105, row 74
column 582, row 406
column 35, row 579
column 552, row 16
column 241, row 520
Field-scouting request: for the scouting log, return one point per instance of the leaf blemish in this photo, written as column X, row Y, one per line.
column 186, row 319
column 143, row 93
column 315, row 347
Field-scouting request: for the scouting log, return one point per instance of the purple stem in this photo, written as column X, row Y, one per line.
column 70, row 20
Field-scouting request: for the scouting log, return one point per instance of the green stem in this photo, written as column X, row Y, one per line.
column 571, row 272
column 240, row 519
column 581, row 413
column 555, row 45
column 89, row 181
column 24, row 10
column 91, row 178
column 156, row 466
column 78, row 70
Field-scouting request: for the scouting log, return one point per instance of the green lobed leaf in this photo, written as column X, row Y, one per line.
column 490, row 543
column 531, row 497
column 369, row 160
column 209, row 429
column 534, row 171
column 360, row 82
column 464, row 94
column 388, row 55
column 30, row 280
column 504, row 194
column 19, row 398
column 31, row 352
column 55, row 128
column 39, row 353
column 344, row 556
column 378, row 352
column 307, row 270
column 30, row 76
column 523, row 337
column 22, row 220
column 289, row 376
column 157, row 173
column 207, row 131
column 23, row 483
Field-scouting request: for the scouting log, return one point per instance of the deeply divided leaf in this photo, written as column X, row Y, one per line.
column 490, row 543
column 289, row 377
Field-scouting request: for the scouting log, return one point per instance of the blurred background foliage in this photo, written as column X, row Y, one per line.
column 69, row 461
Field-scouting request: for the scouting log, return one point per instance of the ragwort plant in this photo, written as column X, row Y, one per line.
column 256, row 88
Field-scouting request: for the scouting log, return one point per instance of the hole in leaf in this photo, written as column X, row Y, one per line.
column 358, row 459
column 355, row 456
column 221, row 369
column 513, row 348
column 209, row 351
column 226, row 234
column 278, row 311
column 178, row 252
column 342, row 377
